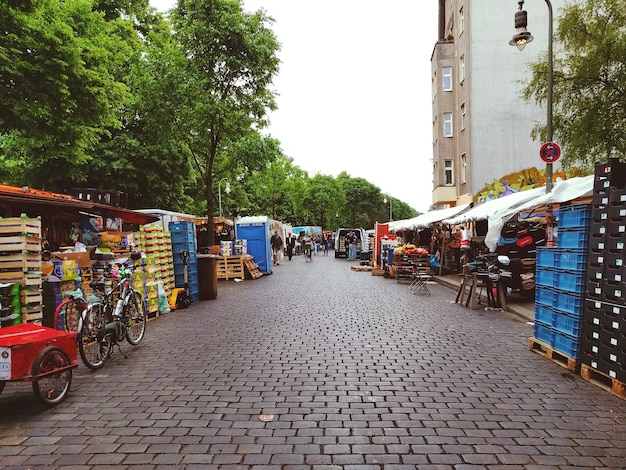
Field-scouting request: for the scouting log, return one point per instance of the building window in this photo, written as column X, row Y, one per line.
column 448, row 177
column 461, row 21
column 462, row 116
column 447, row 124
column 461, row 69
column 464, row 168
column 446, row 77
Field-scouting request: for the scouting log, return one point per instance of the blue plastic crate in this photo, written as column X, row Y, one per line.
column 573, row 238
column 192, row 268
column 543, row 314
column 545, row 276
column 567, row 323
column 567, row 344
column 182, row 226
column 575, row 216
column 183, row 246
column 571, row 281
column 183, row 237
column 545, row 257
column 543, row 332
column 545, row 295
column 179, row 279
column 570, row 302
column 570, row 258
column 178, row 260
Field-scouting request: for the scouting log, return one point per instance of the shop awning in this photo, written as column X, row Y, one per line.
column 25, row 199
column 425, row 220
column 489, row 208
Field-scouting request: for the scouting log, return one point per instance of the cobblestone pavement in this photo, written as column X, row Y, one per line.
column 355, row 370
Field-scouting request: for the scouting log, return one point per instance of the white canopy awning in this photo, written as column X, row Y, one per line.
column 497, row 211
column 425, row 220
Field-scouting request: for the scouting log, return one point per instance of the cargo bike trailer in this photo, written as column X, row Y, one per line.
column 41, row 355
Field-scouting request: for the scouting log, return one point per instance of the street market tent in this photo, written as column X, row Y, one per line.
column 498, row 211
column 425, row 220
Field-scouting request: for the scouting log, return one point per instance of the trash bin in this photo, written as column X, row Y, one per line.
column 207, row 276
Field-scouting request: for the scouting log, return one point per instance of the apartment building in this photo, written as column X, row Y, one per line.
column 481, row 124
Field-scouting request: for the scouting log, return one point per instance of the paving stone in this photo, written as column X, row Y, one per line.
column 358, row 373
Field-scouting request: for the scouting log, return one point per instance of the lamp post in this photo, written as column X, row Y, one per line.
column 219, row 192
column 520, row 39
column 388, row 199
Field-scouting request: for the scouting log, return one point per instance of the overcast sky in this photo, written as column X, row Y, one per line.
column 355, row 90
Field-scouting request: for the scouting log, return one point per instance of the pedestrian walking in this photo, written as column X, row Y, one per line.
column 291, row 244
column 276, row 242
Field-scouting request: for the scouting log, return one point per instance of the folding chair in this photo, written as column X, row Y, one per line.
column 419, row 282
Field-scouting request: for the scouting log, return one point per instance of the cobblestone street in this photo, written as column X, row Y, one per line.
column 318, row 366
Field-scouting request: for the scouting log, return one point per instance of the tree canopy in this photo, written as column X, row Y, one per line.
column 589, row 82
column 112, row 95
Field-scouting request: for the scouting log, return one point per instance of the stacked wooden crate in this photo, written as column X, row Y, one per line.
column 20, row 263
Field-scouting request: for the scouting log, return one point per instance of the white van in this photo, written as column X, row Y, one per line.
column 362, row 244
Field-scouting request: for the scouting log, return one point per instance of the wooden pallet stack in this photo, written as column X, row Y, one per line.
column 20, row 263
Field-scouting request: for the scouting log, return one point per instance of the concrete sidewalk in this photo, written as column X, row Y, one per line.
column 515, row 303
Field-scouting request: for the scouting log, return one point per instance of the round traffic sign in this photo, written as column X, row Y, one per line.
column 550, row 152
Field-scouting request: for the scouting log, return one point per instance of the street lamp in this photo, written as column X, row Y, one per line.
column 520, row 39
column 219, row 192
column 388, row 199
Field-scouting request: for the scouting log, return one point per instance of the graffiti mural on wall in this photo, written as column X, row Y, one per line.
column 529, row 178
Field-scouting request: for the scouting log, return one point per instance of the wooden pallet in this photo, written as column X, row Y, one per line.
column 545, row 350
column 603, row 381
column 361, row 268
column 252, row 269
column 231, row 267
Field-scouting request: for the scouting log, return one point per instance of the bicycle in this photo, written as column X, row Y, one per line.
column 117, row 314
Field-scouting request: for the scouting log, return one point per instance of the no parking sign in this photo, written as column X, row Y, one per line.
column 550, row 152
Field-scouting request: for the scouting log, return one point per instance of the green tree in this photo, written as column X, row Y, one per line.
column 59, row 94
column 362, row 201
column 589, row 82
column 230, row 59
column 322, row 199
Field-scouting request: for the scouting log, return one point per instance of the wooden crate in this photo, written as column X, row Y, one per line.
column 20, row 244
column 20, row 263
column 20, row 226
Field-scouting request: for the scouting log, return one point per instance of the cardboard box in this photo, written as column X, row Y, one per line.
column 81, row 257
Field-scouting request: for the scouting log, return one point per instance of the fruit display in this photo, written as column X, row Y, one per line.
column 410, row 249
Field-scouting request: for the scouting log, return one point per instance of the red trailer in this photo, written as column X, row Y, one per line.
column 41, row 355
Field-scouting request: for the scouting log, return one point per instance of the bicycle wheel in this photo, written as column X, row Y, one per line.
column 71, row 312
column 52, row 389
column 94, row 345
column 135, row 318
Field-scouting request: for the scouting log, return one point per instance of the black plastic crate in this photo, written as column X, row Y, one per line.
column 614, row 259
column 614, row 291
column 593, row 290
column 596, row 258
column 617, row 196
column 614, row 274
column 601, row 198
column 597, row 229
